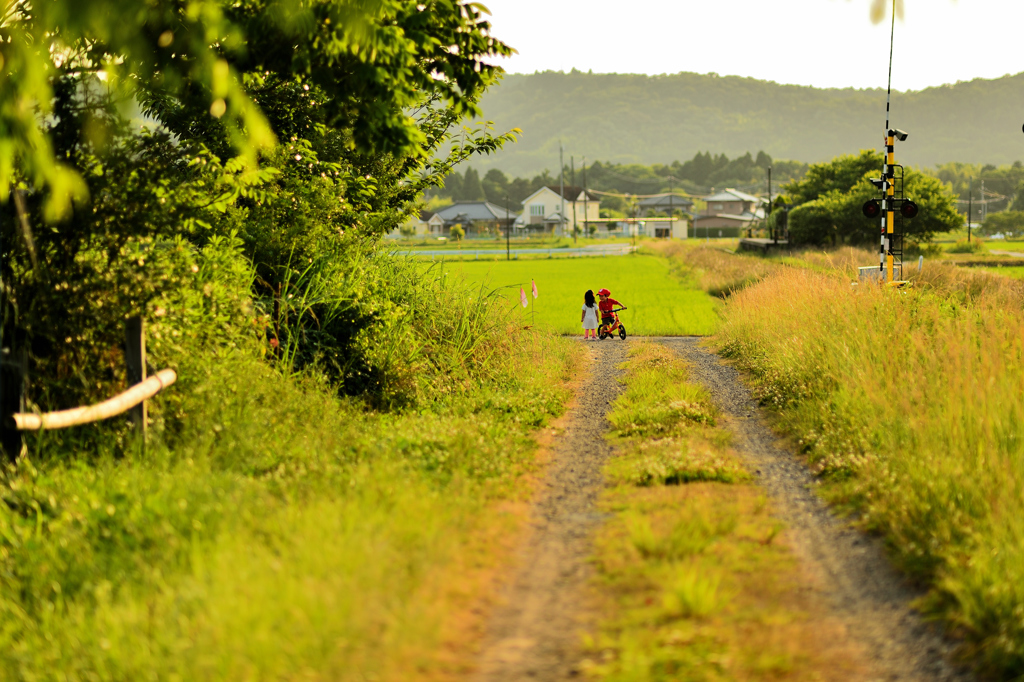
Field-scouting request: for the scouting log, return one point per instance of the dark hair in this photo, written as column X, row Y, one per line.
column 588, row 298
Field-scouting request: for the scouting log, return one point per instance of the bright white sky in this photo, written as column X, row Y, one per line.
column 824, row 43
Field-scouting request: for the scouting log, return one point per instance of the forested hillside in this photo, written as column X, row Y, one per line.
column 627, row 118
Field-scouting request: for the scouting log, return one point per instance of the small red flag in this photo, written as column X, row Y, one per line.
column 534, row 288
column 522, row 297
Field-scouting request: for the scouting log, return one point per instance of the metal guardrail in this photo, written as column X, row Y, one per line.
column 550, row 253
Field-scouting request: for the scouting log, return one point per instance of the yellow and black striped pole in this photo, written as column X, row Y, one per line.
column 888, row 172
column 888, row 205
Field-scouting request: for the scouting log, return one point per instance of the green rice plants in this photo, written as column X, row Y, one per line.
column 659, row 304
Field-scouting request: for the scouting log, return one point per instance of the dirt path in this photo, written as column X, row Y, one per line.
column 852, row 573
column 534, row 633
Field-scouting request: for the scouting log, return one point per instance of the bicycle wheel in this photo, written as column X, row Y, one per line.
column 622, row 332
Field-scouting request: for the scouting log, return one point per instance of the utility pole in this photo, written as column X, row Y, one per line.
column 671, row 215
column 636, row 225
column 572, row 181
column 970, row 205
column 586, row 211
column 984, row 202
column 561, row 186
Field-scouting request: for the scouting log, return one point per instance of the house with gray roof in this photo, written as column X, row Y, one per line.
column 732, row 202
column 729, row 212
column 662, row 203
column 477, row 218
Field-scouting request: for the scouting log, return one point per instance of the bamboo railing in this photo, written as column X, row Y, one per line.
column 13, row 420
column 119, row 404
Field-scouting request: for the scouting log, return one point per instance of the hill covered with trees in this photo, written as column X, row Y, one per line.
column 628, row 118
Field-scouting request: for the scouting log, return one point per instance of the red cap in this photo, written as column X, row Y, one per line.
column 604, row 292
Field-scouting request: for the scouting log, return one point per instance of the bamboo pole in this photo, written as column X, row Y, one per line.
column 82, row 415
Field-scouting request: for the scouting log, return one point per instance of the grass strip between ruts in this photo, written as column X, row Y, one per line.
column 695, row 578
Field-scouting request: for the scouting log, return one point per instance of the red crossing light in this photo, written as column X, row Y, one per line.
column 872, row 209
column 908, row 209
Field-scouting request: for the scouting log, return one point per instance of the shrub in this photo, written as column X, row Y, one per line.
column 975, row 245
column 812, row 223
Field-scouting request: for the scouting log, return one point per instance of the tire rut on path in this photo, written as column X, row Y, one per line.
column 534, row 633
column 856, row 579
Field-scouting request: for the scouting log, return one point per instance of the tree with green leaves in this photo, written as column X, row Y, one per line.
column 211, row 70
column 472, row 190
column 283, row 137
column 827, row 203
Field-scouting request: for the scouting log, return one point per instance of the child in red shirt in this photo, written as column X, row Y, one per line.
column 606, row 305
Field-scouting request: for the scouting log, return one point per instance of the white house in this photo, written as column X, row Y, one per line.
column 542, row 210
column 664, row 228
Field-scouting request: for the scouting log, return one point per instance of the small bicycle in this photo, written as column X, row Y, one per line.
column 606, row 330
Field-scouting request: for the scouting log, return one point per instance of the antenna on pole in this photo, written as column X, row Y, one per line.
column 888, row 89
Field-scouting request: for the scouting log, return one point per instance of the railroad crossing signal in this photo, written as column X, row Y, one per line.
column 891, row 247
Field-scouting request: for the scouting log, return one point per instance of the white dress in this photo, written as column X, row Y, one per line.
column 590, row 317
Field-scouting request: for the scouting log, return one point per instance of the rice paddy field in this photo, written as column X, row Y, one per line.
column 659, row 303
column 1015, row 272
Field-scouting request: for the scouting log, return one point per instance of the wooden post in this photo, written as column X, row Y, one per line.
column 12, row 386
column 135, row 358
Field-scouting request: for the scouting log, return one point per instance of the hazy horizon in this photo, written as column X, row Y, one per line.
column 766, row 80
column 816, row 43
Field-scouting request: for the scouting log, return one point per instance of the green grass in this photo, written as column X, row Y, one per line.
column 275, row 530
column 1017, row 272
column 659, row 304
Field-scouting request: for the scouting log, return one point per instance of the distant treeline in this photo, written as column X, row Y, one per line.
column 696, row 177
column 994, row 188
column 996, row 194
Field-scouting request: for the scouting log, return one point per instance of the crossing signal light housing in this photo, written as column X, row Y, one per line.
column 872, row 209
column 908, row 209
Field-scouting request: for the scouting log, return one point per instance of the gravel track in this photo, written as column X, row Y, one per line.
column 534, row 633
column 854, row 576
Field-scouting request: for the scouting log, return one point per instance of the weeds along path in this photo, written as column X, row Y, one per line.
column 534, row 633
column 850, row 569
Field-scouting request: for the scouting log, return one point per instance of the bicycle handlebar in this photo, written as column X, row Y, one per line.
column 618, row 310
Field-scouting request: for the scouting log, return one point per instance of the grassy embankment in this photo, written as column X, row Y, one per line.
column 658, row 303
column 696, row 580
column 910, row 404
column 287, row 533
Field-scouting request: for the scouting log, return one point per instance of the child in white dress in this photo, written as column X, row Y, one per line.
column 589, row 317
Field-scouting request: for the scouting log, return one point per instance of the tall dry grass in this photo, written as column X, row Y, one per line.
column 912, row 403
column 714, row 270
